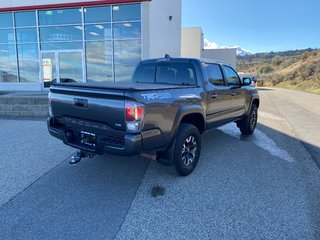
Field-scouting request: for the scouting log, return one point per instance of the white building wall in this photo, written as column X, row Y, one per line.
column 145, row 33
column 228, row 55
column 191, row 42
column 164, row 34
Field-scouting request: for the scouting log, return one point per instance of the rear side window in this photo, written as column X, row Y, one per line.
column 166, row 73
column 214, row 73
column 231, row 76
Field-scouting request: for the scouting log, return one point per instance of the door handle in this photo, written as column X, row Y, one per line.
column 233, row 94
column 214, row 95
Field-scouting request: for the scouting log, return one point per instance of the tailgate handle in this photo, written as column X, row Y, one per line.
column 81, row 103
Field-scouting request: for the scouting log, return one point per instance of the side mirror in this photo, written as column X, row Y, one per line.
column 246, row 81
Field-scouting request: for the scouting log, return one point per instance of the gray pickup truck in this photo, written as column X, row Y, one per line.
column 162, row 112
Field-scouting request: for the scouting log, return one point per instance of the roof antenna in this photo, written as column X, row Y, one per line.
column 167, row 55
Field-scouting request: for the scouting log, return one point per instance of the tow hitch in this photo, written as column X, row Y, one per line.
column 77, row 157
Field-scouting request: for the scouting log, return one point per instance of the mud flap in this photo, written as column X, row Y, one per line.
column 166, row 158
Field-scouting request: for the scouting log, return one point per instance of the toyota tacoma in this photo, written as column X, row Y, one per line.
column 161, row 112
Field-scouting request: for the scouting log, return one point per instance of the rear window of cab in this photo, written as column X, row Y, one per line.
column 165, row 73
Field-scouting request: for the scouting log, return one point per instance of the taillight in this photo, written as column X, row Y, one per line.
column 133, row 112
column 134, row 116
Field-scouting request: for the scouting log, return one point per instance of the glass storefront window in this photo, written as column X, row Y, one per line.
column 130, row 12
column 61, row 46
column 60, row 17
column 127, row 30
column 61, row 34
column 110, row 34
column 97, row 15
column 26, row 35
column 70, row 67
column 25, row 19
column 28, row 62
column 98, row 32
column 8, row 63
column 127, row 55
column 6, row 20
column 6, row 36
column 99, row 61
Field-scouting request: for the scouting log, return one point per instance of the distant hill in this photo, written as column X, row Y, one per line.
column 296, row 69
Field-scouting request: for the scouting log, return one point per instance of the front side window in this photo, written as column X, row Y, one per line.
column 214, row 73
column 232, row 77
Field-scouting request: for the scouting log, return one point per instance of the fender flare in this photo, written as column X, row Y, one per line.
column 254, row 98
column 181, row 113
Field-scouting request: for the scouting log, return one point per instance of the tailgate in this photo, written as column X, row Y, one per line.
column 97, row 105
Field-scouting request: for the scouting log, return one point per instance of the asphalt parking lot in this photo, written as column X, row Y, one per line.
column 266, row 186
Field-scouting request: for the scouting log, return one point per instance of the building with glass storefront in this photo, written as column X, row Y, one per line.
column 91, row 41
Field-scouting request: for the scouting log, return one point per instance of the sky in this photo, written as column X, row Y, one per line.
column 255, row 25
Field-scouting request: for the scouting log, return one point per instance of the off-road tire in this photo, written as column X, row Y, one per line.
column 248, row 124
column 187, row 149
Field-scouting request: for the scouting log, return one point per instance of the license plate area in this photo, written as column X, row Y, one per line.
column 88, row 139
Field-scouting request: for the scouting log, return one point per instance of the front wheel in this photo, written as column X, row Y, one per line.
column 248, row 124
column 187, row 149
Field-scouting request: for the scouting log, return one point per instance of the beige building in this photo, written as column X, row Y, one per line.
column 192, row 46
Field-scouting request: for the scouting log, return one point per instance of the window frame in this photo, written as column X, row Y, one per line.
column 226, row 78
column 222, row 74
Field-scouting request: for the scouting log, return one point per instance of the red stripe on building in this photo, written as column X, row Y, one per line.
column 68, row 5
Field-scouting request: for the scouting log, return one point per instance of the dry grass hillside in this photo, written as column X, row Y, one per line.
column 298, row 69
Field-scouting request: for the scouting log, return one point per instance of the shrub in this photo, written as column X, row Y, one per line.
column 277, row 60
column 306, row 55
column 265, row 69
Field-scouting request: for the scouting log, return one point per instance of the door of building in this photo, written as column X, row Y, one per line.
column 65, row 66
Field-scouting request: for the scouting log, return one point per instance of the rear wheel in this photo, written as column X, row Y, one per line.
column 248, row 124
column 187, row 149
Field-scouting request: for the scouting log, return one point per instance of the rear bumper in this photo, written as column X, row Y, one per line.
column 119, row 143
